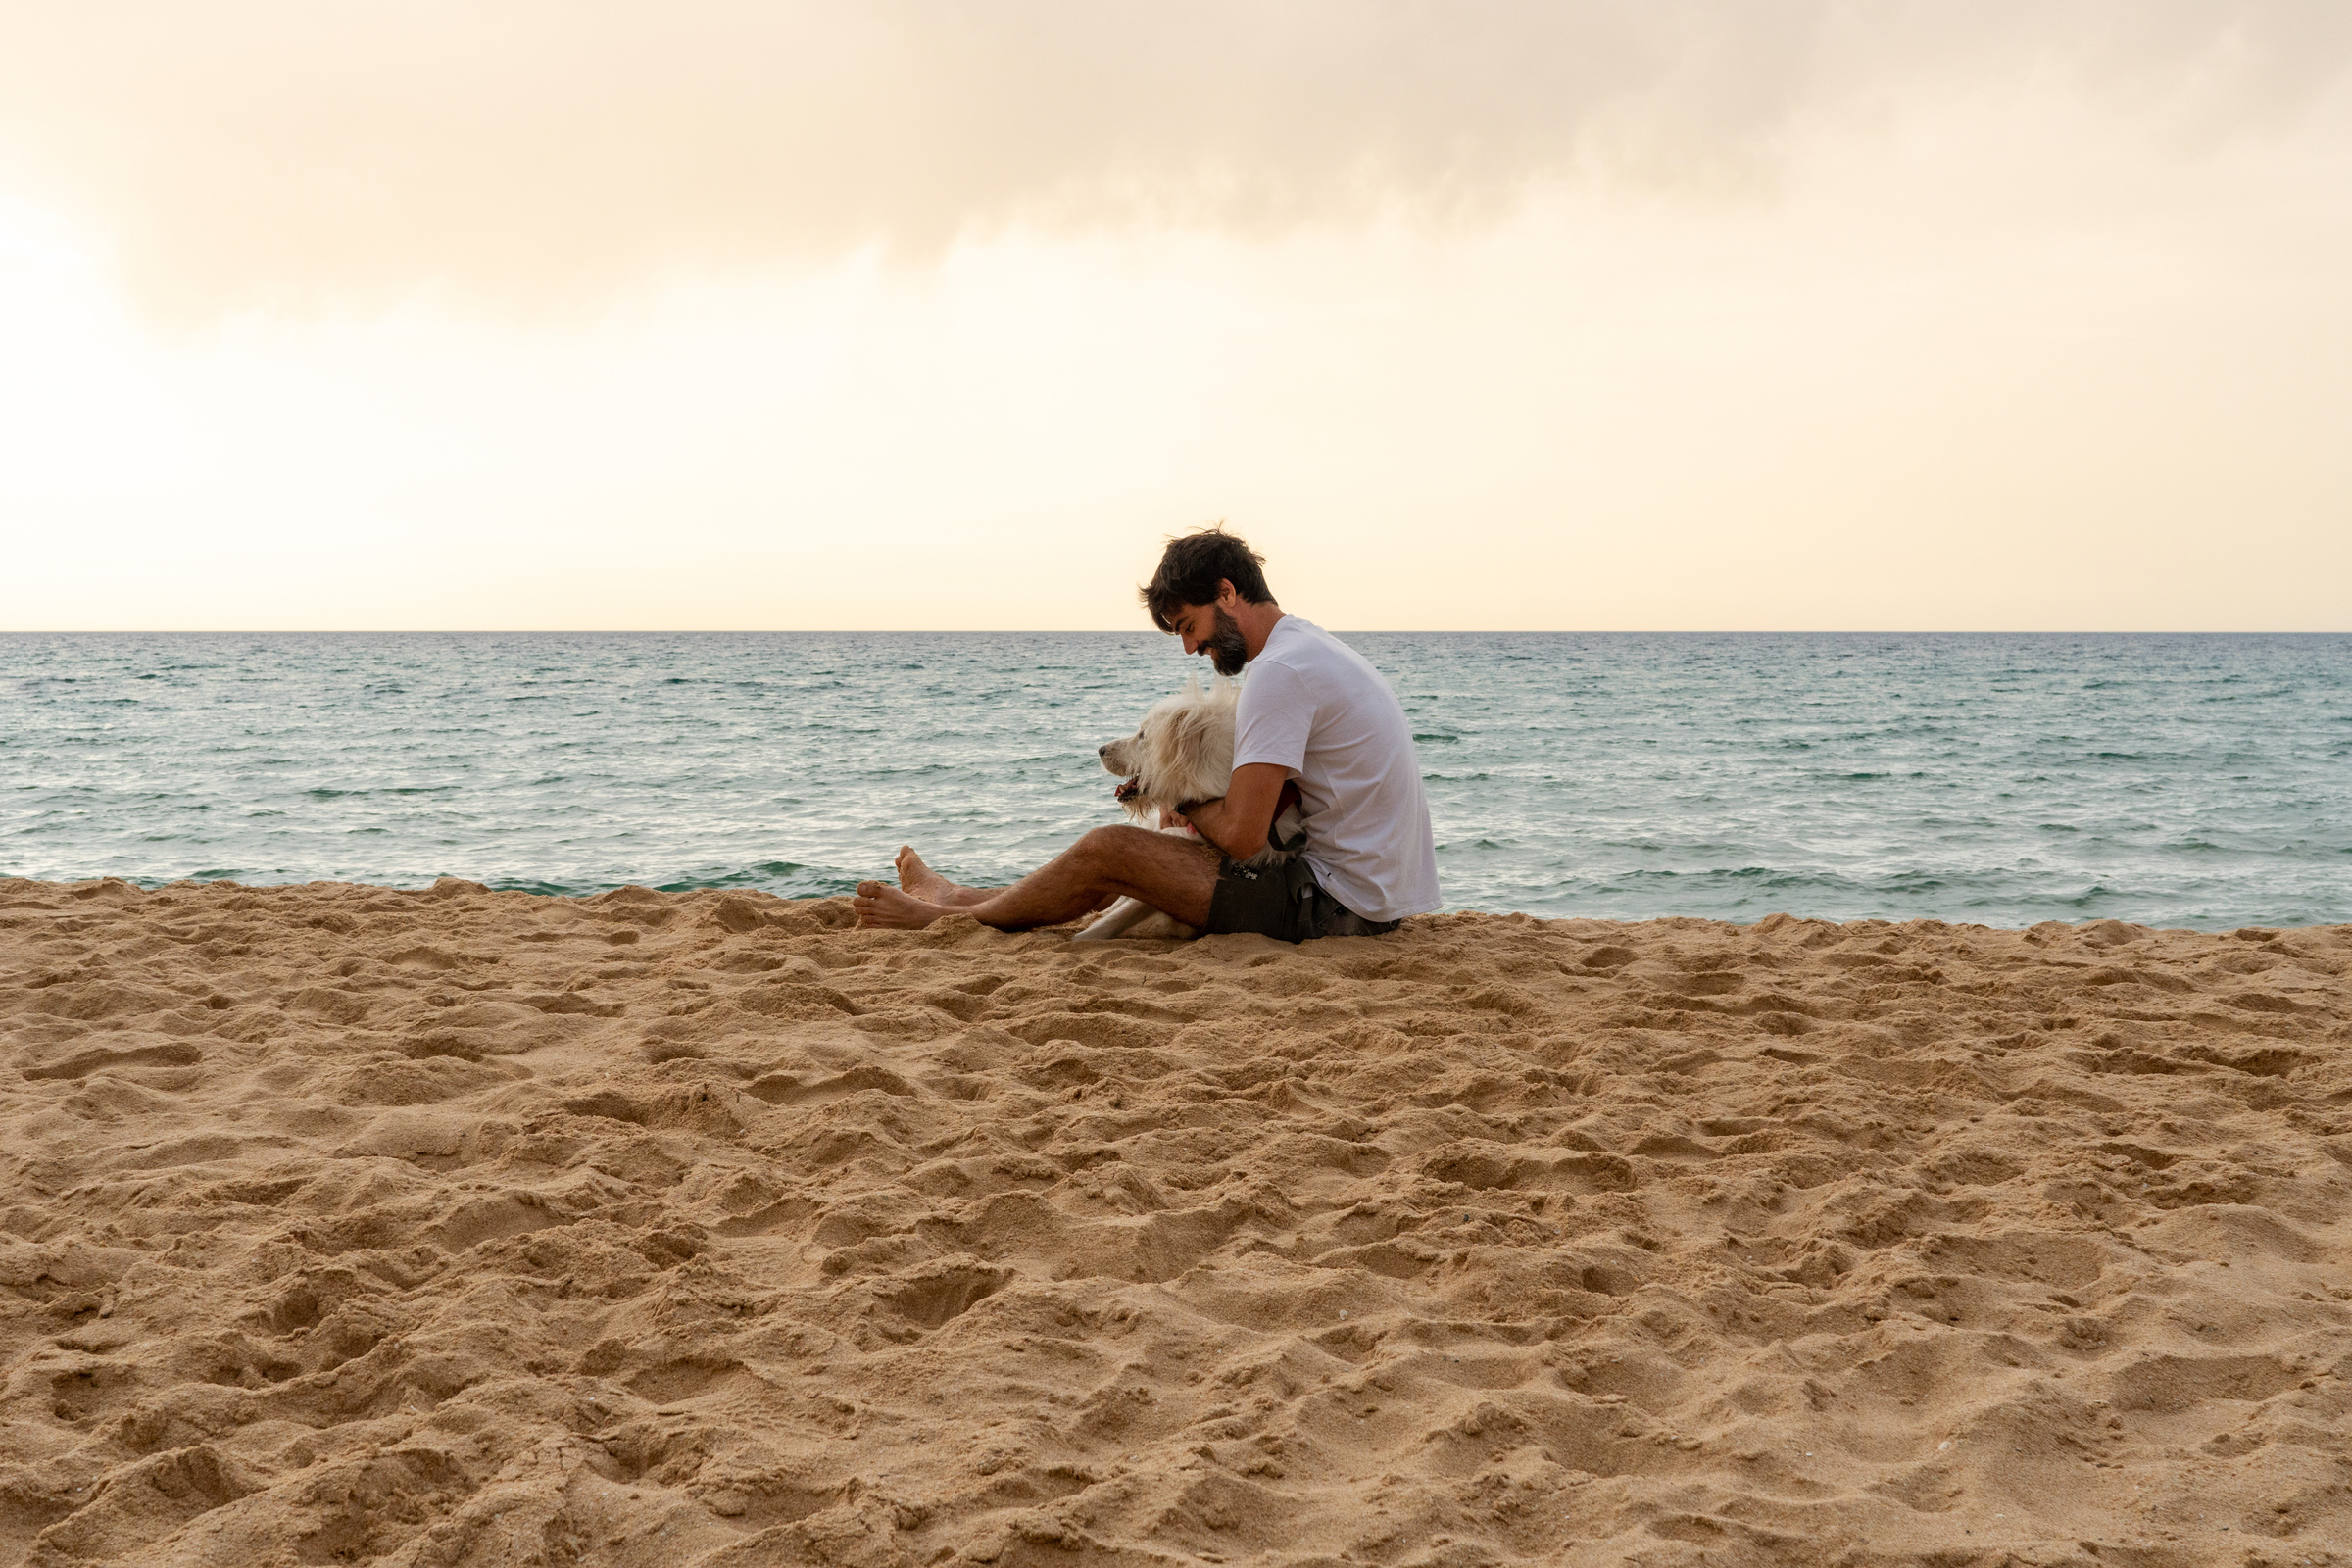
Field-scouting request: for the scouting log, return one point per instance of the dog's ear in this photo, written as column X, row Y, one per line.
column 1169, row 727
column 1193, row 750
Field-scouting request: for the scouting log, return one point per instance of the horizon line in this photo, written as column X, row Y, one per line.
column 1072, row 631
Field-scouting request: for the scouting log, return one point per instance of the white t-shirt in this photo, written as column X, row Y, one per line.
column 1312, row 705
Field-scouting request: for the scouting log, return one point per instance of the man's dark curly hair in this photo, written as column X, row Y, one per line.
column 1192, row 565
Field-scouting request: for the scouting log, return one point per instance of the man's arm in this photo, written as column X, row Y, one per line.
column 1238, row 823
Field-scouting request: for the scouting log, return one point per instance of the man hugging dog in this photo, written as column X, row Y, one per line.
column 1314, row 721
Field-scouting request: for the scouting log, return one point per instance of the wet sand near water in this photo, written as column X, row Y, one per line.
column 348, row 1224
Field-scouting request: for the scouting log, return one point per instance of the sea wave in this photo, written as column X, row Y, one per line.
column 2188, row 781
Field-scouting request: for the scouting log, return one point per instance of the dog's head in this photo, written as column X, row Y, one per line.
column 1183, row 751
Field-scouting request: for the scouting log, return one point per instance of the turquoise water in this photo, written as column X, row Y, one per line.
column 2172, row 780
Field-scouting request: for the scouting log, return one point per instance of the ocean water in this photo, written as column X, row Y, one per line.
column 2172, row 780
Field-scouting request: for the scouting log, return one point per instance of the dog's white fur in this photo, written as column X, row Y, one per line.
column 1183, row 751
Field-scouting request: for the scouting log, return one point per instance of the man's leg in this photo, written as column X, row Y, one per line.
column 930, row 887
column 1169, row 873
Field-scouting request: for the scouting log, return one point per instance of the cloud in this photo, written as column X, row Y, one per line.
column 293, row 151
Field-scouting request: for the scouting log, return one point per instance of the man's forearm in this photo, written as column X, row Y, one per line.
column 1214, row 820
column 1238, row 821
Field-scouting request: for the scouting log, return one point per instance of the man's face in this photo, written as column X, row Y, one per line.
column 1207, row 629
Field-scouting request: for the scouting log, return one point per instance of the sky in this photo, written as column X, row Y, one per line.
column 914, row 314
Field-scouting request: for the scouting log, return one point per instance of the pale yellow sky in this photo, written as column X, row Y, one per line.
column 1477, row 315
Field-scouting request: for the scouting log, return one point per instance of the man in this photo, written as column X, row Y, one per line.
column 1312, row 716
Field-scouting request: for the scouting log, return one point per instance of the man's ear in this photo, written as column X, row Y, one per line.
column 1225, row 593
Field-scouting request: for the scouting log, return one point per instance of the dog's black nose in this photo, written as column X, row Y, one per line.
column 1103, row 750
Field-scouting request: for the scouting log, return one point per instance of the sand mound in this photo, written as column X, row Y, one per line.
column 341, row 1224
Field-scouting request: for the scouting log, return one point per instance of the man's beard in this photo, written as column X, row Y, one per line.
column 1226, row 651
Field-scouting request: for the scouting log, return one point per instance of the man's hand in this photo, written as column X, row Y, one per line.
column 1238, row 823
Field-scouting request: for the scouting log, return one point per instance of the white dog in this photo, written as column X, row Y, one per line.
column 1183, row 751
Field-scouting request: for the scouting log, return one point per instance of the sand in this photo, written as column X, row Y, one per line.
column 344, row 1224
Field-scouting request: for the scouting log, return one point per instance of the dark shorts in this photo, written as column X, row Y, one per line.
column 1282, row 901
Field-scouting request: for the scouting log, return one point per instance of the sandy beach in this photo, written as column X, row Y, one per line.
column 346, row 1224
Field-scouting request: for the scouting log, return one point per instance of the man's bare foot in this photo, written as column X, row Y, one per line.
column 878, row 904
column 917, row 878
column 920, row 881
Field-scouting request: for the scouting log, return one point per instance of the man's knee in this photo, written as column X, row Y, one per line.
column 1117, row 850
column 1103, row 846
